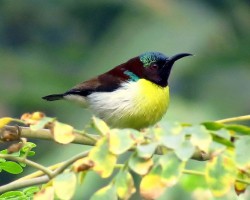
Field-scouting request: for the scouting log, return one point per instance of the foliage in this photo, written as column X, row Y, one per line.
column 159, row 155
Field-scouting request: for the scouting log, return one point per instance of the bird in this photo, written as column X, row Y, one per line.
column 134, row 94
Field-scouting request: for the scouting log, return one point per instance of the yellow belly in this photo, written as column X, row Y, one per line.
column 134, row 105
column 150, row 104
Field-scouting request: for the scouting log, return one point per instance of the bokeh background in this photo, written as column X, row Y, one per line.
column 47, row 46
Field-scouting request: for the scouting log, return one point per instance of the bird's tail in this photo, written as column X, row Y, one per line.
column 53, row 97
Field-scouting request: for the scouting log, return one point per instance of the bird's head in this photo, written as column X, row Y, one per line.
column 153, row 66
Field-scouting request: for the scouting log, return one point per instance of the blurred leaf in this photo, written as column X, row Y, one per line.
column 220, row 174
column 11, row 167
column 46, row 193
column 192, row 182
column 30, row 191
column 151, row 186
column 242, row 152
column 238, row 186
column 200, row 137
column 100, row 126
column 140, row 165
column 214, row 126
column 221, row 140
column 171, row 168
column 41, row 123
column 172, row 135
column 64, row 185
column 4, row 121
column 82, row 164
column 106, row 193
column 185, row 150
column 146, row 150
column 124, row 184
column 63, row 133
column 240, row 129
column 104, row 161
column 120, row 141
column 12, row 195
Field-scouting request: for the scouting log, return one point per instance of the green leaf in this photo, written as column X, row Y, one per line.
column 171, row 168
column 214, row 126
column 104, row 161
column 200, row 137
column 242, row 147
column 13, row 195
column 41, row 123
column 11, row 167
column 2, row 160
column 65, row 185
column 192, row 182
column 100, row 126
column 146, row 151
column 220, row 174
column 124, row 184
column 172, row 135
column 140, row 165
column 30, row 191
column 240, row 129
column 106, row 193
column 120, row 140
column 185, row 150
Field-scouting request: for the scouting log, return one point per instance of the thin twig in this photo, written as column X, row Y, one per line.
column 234, row 119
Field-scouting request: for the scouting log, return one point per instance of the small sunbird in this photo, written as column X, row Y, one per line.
column 134, row 94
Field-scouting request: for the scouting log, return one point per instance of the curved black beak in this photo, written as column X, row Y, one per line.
column 176, row 57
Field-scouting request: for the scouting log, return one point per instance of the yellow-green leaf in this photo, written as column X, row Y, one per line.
column 41, row 123
column 100, row 126
column 124, row 184
column 240, row 187
column 185, row 150
column 220, row 174
column 65, row 185
column 63, row 133
column 4, row 121
column 146, row 150
column 120, row 140
column 200, row 137
column 151, row 186
column 140, row 165
column 242, row 147
column 171, row 168
column 106, row 193
column 103, row 160
column 46, row 193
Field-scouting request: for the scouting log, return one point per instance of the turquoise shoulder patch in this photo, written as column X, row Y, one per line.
column 131, row 75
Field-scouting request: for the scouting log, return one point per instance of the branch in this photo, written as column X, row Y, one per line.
column 235, row 119
column 21, row 183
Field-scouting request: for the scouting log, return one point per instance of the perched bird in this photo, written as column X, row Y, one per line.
column 134, row 94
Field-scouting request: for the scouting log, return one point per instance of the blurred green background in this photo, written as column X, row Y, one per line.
column 47, row 46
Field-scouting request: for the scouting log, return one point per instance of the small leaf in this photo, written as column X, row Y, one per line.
column 240, row 129
column 41, row 123
column 106, row 193
column 239, row 186
column 65, row 185
column 214, row 126
column 146, row 150
column 200, row 137
column 11, row 167
column 140, row 165
column 242, row 152
column 220, row 174
column 100, row 126
column 4, row 121
column 124, row 184
column 171, row 168
column 12, row 195
column 151, row 186
column 120, row 141
column 185, row 150
column 46, row 193
column 191, row 182
column 63, row 133
column 30, row 191
column 104, row 161
column 82, row 164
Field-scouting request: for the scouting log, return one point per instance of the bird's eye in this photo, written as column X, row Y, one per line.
column 154, row 66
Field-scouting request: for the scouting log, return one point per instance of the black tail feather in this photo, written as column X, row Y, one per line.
column 53, row 97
